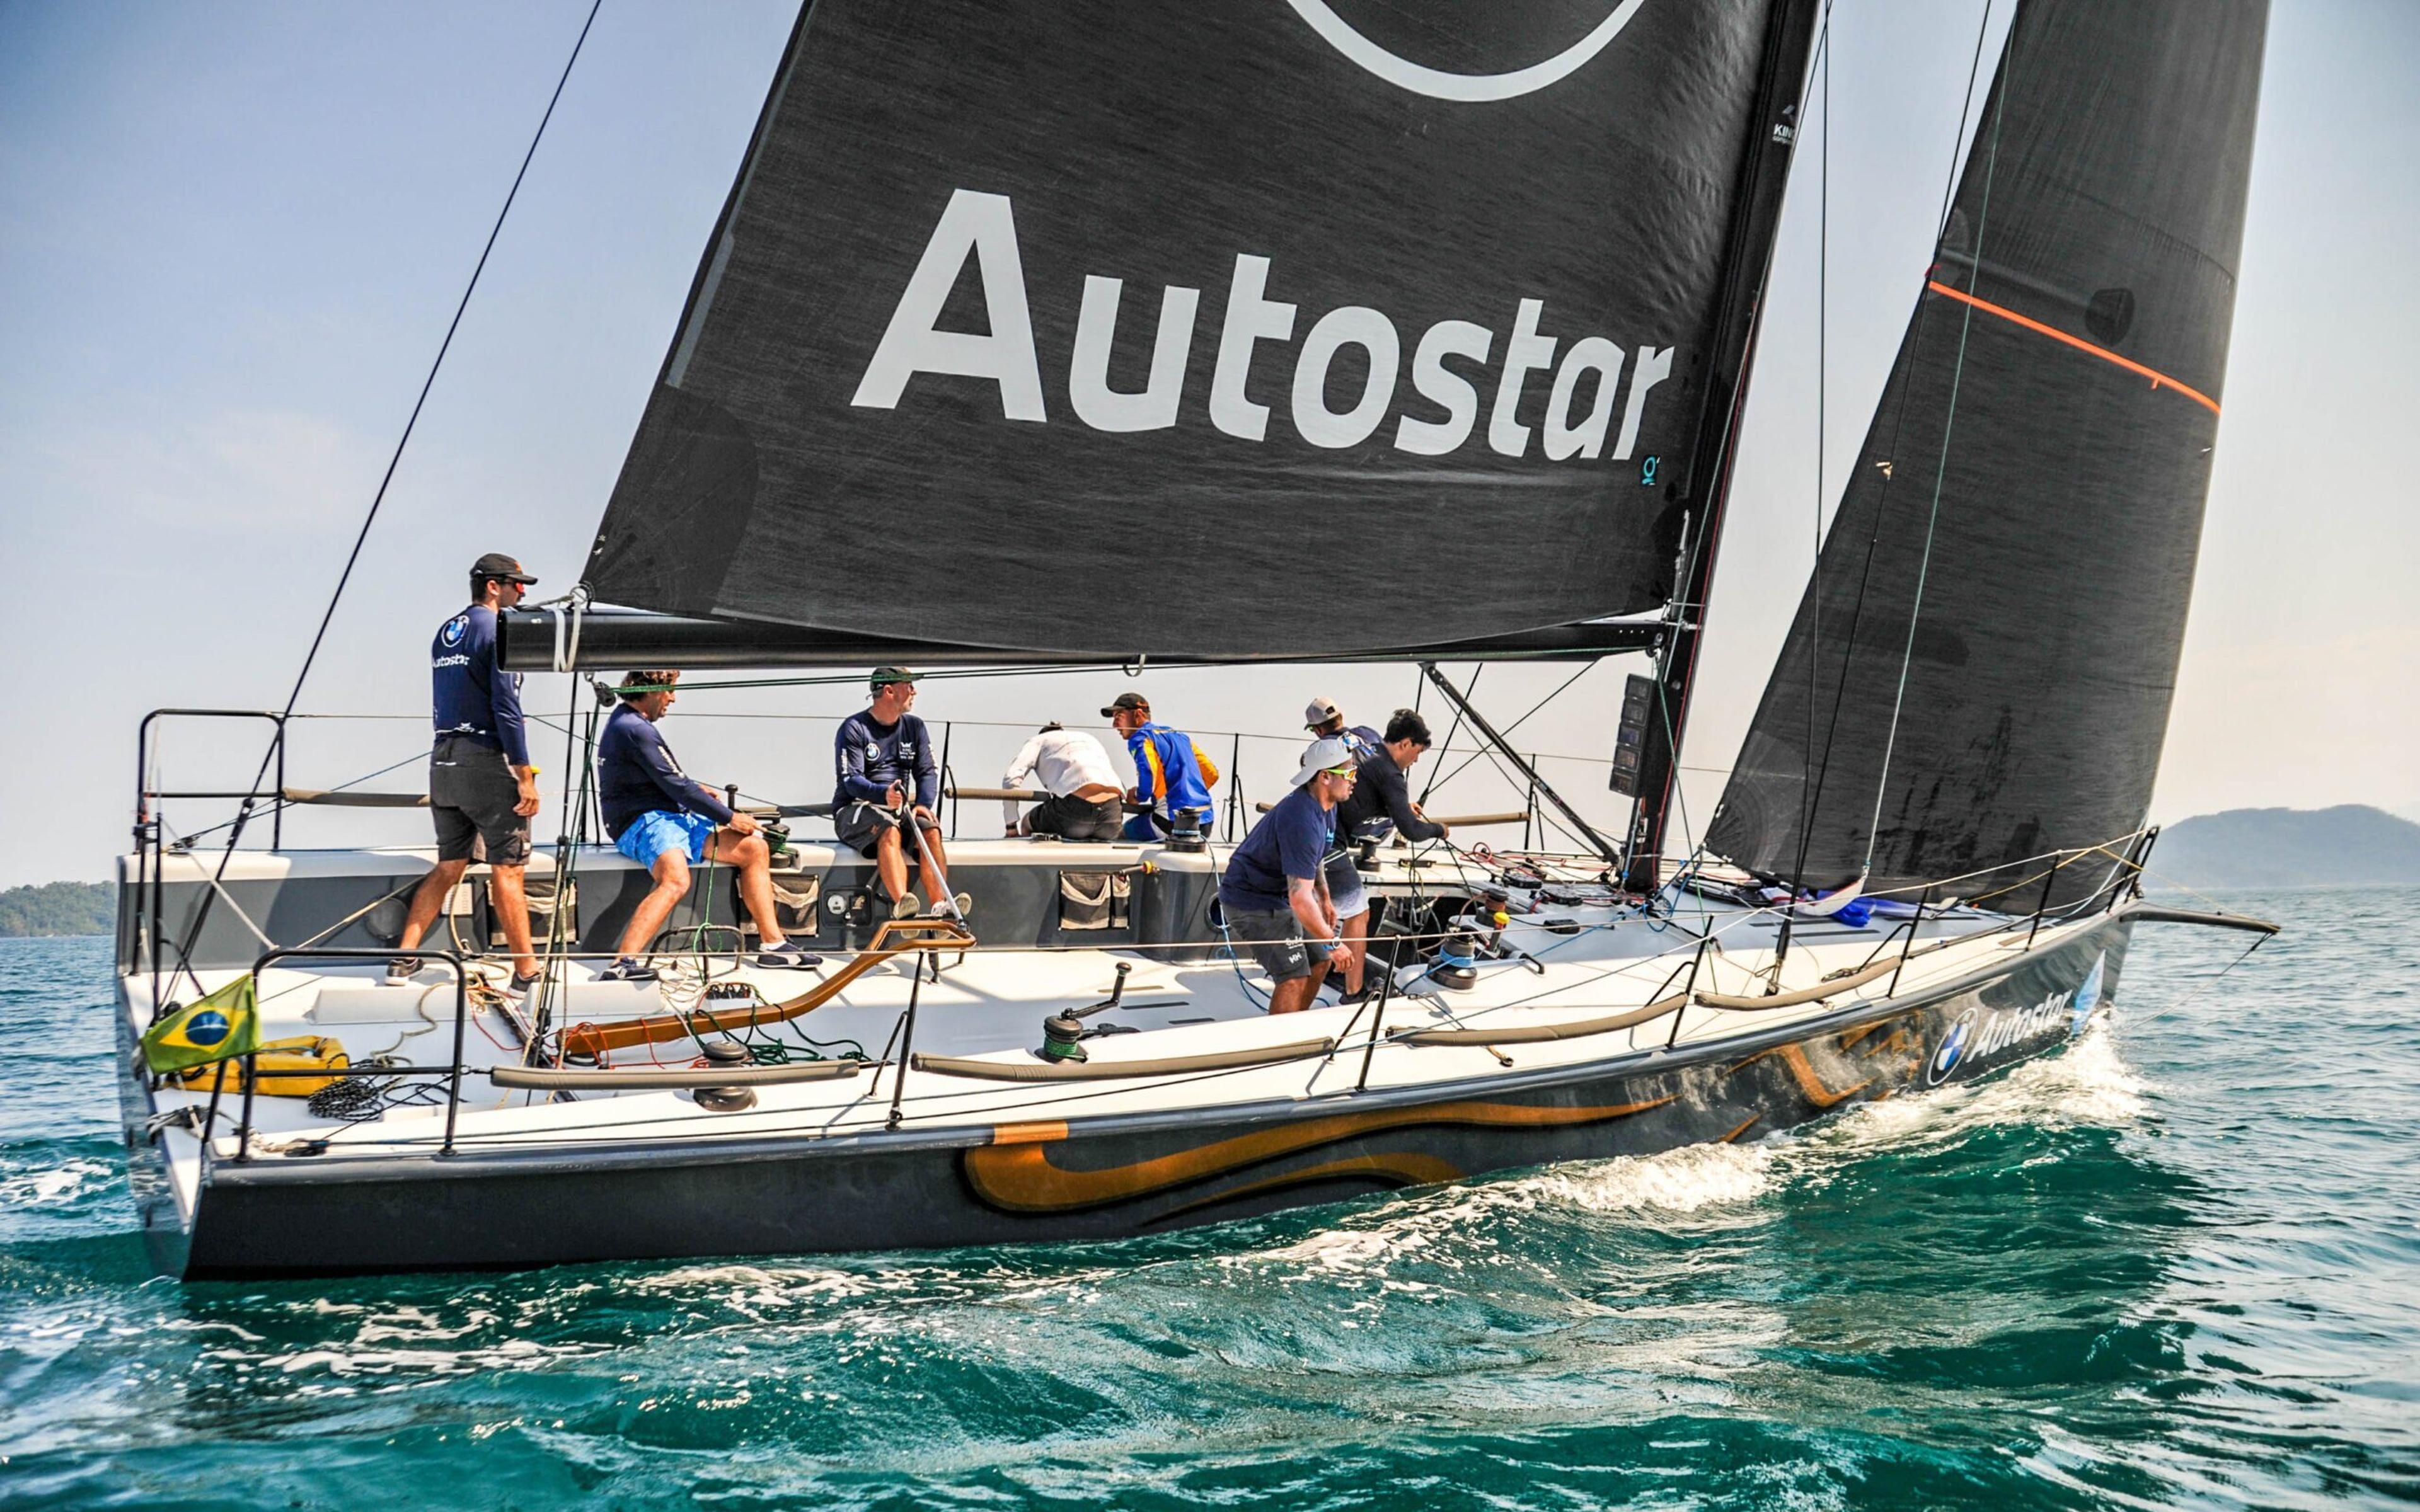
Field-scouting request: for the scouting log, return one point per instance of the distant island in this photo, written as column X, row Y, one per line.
column 2286, row 848
column 58, row 908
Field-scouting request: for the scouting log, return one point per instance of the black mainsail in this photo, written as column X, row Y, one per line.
column 1106, row 326
column 1981, row 670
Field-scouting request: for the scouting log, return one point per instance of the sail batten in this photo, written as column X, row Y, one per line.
column 1982, row 669
column 1017, row 316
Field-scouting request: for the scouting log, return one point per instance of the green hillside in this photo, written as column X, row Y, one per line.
column 58, row 908
column 2288, row 848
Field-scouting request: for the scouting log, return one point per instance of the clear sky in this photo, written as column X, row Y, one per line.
column 231, row 235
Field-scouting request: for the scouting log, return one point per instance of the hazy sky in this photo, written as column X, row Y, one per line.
column 231, row 237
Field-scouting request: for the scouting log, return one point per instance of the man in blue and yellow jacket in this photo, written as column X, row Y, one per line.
column 1170, row 779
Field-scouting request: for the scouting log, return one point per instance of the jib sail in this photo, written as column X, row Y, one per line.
column 1981, row 670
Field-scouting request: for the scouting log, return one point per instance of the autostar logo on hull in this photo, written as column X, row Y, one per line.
column 983, row 227
column 1974, row 1037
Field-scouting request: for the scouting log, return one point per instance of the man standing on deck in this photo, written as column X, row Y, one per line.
column 662, row 819
column 1274, row 891
column 1168, row 779
column 891, row 778
column 482, row 789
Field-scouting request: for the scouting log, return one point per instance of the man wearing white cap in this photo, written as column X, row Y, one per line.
column 1273, row 893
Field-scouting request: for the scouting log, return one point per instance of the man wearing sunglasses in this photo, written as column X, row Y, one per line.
column 1274, row 892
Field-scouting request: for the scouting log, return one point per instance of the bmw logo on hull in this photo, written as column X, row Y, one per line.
column 1953, row 1048
column 1474, row 88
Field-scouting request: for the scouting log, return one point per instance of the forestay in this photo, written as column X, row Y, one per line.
column 1018, row 315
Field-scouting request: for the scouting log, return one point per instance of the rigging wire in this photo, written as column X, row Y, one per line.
column 1898, row 419
column 1940, row 478
column 361, row 539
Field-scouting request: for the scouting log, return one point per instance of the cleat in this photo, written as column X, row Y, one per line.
column 400, row 970
column 627, row 969
column 788, row 956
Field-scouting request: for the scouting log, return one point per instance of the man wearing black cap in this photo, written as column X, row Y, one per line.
column 482, row 789
column 885, row 759
column 1170, row 779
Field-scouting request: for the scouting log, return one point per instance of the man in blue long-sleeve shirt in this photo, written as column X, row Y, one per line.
column 482, row 789
column 662, row 819
column 883, row 757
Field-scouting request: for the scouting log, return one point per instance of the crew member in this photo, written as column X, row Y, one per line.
column 1169, row 777
column 666, row 821
column 1274, row 892
column 890, row 777
column 482, row 789
column 1073, row 769
column 1381, row 803
column 1325, row 721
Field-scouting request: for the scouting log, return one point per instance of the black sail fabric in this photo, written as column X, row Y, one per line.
column 1998, row 670
column 1120, row 327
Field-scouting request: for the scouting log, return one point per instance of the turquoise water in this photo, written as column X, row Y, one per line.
column 2177, row 1265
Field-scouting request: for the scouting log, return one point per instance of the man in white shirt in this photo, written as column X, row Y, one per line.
column 1072, row 767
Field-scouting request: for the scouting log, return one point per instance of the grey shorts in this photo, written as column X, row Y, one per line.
column 472, row 792
column 1073, row 818
column 1344, row 887
column 862, row 827
column 1275, row 941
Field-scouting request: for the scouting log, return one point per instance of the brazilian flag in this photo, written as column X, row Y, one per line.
column 221, row 1026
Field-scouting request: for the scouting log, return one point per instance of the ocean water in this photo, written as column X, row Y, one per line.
column 2176, row 1265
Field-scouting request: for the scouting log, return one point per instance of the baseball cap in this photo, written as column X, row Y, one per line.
column 1320, row 711
column 1126, row 700
column 1319, row 756
column 497, row 564
column 892, row 675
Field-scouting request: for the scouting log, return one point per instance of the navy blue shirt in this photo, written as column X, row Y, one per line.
column 1290, row 842
column 636, row 774
column 1381, row 803
column 469, row 694
column 870, row 756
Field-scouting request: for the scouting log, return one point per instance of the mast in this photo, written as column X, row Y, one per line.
column 1766, row 175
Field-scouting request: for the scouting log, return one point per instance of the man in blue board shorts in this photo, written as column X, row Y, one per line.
column 884, row 759
column 666, row 821
column 1274, row 891
column 482, row 789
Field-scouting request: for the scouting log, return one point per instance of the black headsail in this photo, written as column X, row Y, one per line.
column 1106, row 327
column 1981, row 670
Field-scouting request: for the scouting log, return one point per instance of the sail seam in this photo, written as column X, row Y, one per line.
column 2159, row 380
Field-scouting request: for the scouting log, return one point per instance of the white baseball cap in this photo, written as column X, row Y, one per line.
column 1320, row 711
column 1320, row 756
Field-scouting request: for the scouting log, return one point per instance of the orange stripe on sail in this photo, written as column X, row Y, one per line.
column 2159, row 380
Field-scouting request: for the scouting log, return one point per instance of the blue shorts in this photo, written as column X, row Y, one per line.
column 652, row 834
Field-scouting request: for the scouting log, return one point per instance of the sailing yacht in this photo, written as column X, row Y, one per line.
column 1004, row 302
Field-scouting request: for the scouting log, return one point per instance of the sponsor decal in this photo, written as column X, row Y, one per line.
column 454, row 629
column 2088, row 996
column 457, row 660
column 1472, row 88
column 1582, row 389
column 1953, row 1047
column 1982, row 1033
